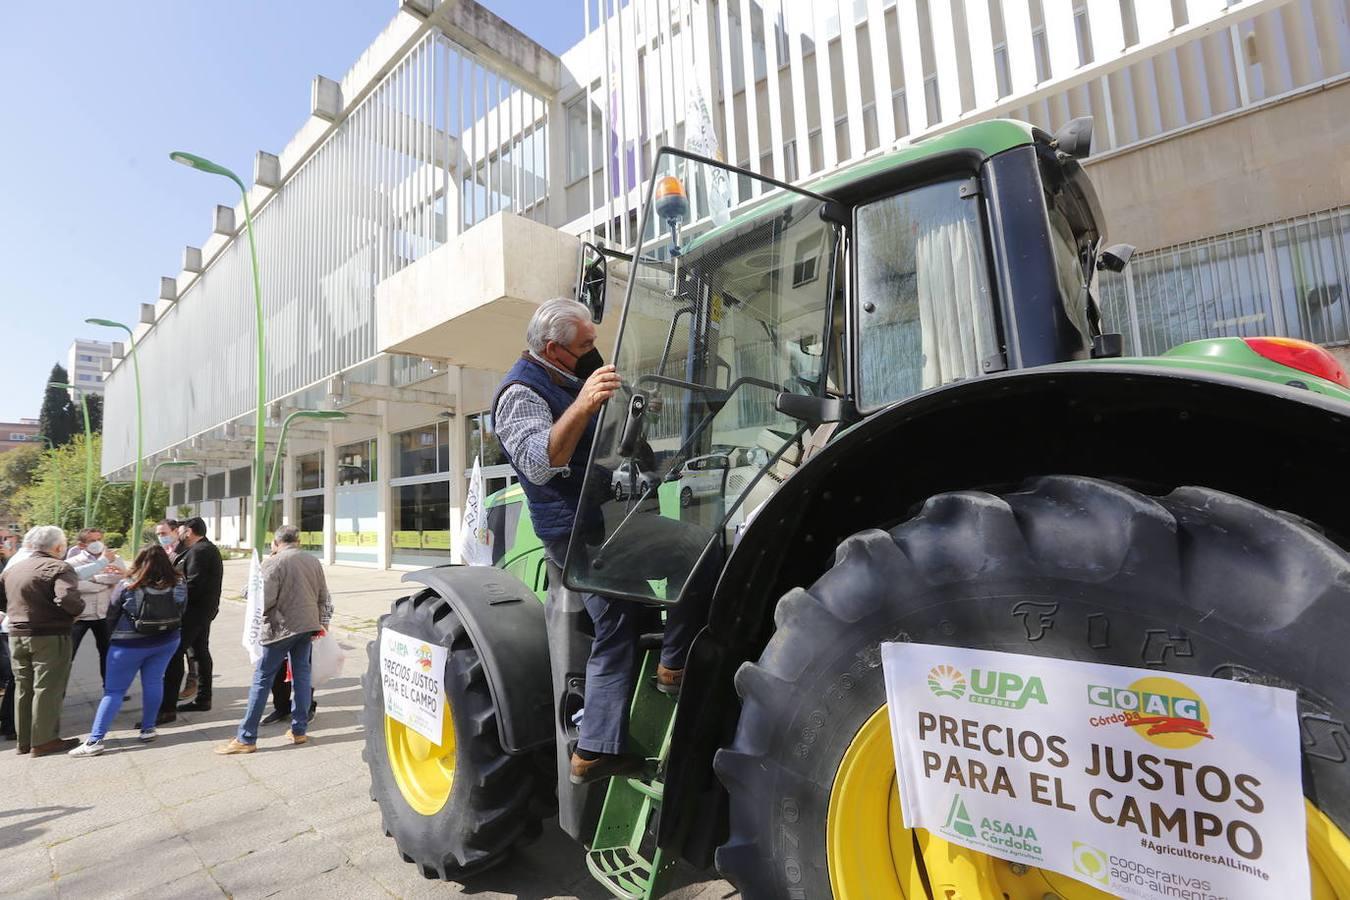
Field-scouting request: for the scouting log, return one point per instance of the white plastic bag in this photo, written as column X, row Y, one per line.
column 326, row 659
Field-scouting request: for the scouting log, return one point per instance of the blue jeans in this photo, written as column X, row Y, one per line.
column 123, row 664
column 274, row 657
column 612, row 665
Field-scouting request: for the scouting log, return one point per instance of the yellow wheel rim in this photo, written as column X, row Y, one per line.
column 872, row 856
column 424, row 772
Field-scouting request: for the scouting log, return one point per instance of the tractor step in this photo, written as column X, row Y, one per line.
column 624, row 856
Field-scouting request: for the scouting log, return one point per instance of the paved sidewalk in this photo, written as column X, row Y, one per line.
column 171, row 819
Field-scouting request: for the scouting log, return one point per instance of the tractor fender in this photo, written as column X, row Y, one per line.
column 506, row 622
column 1150, row 427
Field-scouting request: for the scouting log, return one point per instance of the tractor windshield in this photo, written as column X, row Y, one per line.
column 724, row 312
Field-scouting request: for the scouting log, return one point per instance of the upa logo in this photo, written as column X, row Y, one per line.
column 988, row 686
column 1091, row 863
column 947, row 681
column 1163, row 711
column 424, row 658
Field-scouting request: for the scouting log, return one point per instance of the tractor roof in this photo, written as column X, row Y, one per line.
column 986, row 138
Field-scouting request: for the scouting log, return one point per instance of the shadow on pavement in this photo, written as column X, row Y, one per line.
column 16, row 833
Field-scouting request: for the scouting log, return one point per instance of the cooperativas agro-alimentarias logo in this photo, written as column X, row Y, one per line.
column 1163, row 711
column 991, row 687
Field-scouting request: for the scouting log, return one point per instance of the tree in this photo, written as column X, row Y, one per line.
column 17, row 468
column 59, row 420
column 95, row 402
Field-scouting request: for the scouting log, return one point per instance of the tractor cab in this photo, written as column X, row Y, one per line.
column 749, row 339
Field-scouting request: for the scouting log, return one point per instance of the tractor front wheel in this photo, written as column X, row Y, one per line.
column 460, row 806
column 1196, row 582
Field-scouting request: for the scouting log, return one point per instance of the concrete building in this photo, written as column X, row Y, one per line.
column 17, row 434
column 85, row 365
column 442, row 187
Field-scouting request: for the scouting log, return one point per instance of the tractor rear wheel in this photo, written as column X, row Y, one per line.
column 1196, row 582
column 457, row 807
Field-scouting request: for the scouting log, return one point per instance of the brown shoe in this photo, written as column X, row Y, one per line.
column 58, row 745
column 297, row 738
column 668, row 681
column 189, row 690
column 608, row 765
column 236, row 746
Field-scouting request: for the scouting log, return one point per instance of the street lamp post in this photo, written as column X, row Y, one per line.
column 165, row 464
column 259, row 484
column 98, row 497
column 135, row 535
column 281, row 445
column 88, row 446
column 56, row 471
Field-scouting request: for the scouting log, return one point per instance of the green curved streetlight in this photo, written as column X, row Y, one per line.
column 56, row 470
column 201, row 164
column 281, row 445
column 135, row 534
column 98, row 497
column 166, row 464
column 88, row 444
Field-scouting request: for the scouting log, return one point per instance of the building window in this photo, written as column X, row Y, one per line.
column 215, row 486
column 1083, row 29
column 421, row 522
column 422, row 451
column 356, row 463
column 578, row 159
column 806, row 260
column 309, row 510
column 309, row 471
column 177, row 495
column 18, row 436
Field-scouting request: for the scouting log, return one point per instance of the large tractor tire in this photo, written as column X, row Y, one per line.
column 1196, row 582
column 456, row 808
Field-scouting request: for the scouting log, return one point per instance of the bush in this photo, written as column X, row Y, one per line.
column 114, row 539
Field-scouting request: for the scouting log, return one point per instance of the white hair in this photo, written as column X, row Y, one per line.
column 44, row 538
column 555, row 320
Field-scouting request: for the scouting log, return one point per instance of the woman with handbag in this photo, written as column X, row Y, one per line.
column 145, row 616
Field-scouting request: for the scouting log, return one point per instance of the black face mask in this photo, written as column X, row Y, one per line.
column 587, row 363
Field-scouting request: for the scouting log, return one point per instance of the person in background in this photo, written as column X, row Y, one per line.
column 281, row 701
column 96, row 589
column 6, row 670
column 40, row 594
column 166, row 534
column 296, row 611
column 200, row 564
column 133, row 650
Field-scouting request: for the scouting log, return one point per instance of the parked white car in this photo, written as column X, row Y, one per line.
column 622, row 483
column 717, row 473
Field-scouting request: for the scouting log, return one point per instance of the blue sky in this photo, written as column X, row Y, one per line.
column 96, row 95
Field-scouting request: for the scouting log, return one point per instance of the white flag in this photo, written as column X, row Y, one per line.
column 253, row 610
column 700, row 132
column 475, row 538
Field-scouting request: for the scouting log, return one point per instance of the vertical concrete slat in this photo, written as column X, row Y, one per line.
column 1060, row 36
column 944, row 55
column 773, row 87
column 751, row 90
column 801, row 123
column 911, row 59
column 824, row 85
column 1021, row 50
column 728, row 90
column 1108, row 34
column 881, row 73
column 984, row 80
column 853, row 98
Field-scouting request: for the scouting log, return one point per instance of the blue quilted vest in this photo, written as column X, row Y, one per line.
column 553, row 504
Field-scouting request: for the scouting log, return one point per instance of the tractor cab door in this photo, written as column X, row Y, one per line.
column 723, row 314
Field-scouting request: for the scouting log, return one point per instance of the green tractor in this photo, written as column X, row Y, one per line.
column 883, row 406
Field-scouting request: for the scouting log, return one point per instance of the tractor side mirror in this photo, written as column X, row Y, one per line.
column 591, row 280
column 1115, row 258
column 1075, row 138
